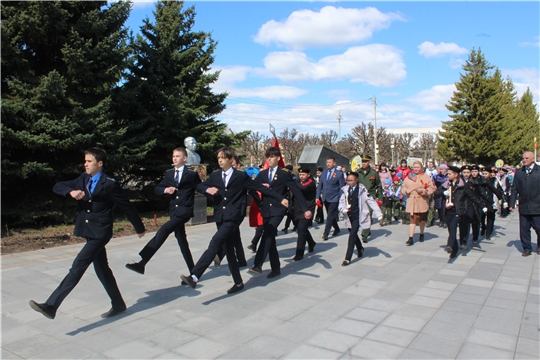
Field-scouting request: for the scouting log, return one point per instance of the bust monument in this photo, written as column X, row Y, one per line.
column 192, row 157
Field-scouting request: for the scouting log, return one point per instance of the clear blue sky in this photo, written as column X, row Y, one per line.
column 294, row 64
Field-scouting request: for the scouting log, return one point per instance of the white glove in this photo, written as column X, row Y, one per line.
column 344, row 211
column 485, row 209
column 380, row 218
column 446, row 193
column 505, row 205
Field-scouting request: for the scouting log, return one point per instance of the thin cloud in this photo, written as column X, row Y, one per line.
column 330, row 26
column 433, row 99
column 429, row 49
column 533, row 43
column 377, row 64
column 524, row 78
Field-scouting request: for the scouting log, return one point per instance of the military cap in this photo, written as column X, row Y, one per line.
column 319, row 169
column 475, row 167
column 355, row 174
column 366, row 158
column 455, row 169
column 466, row 167
column 304, row 170
column 403, row 161
column 289, row 167
column 503, row 169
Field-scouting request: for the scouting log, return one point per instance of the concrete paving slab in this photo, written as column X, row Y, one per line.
column 395, row 302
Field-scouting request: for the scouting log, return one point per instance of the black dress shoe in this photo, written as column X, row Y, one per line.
column 137, row 267
column 444, row 226
column 452, row 256
column 252, row 247
column 311, row 248
column 448, row 249
column 235, row 288
column 325, row 237
column 410, row 241
column 421, row 239
column 273, row 274
column 336, row 232
column 255, row 270
column 364, row 239
column 242, row 264
column 361, row 253
column 488, row 237
column 113, row 312
column 346, row 263
column 189, row 280
column 285, row 230
column 297, row 258
column 483, row 232
column 47, row 310
column 526, row 253
column 463, row 246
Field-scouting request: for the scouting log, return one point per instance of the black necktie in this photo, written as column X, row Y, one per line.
column 225, row 179
column 270, row 176
column 351, row 190
column 177, row 177
column 528, row 172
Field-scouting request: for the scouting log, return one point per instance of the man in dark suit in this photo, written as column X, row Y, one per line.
column 179, row 183
column 526, row 188
column 229, row 188
column 96, row 195
column 330, row 184
column 280, row 181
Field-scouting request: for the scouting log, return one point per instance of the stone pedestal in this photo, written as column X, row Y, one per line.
column 199, row 210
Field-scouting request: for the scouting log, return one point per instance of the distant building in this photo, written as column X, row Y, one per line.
column 416, row 132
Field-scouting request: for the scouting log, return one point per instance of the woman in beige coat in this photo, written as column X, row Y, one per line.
column 417, row 187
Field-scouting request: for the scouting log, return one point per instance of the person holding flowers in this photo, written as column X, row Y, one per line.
column 418, row 187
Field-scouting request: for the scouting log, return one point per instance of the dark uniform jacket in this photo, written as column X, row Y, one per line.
column 183, row 200
column 95, row 212
column 528, row 192
column 230, row 201
column 460, row 194
column 282, row 182
column 309, row 190
column 487, row 190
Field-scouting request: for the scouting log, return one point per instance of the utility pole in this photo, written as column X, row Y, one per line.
column 375, row 147
column 339, row 123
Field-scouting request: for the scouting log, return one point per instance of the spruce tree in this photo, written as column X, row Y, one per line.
column 475, row 114
column 60, row 61
column 167, row 94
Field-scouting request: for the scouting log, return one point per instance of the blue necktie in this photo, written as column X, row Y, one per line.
column 328, row 175
column 89, row 186
column 177, row 177
column 225, row 179
column 270, row 176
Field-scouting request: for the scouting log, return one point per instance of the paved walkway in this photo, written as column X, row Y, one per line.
column 396, row 302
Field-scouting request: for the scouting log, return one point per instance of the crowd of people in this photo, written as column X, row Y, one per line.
column 460, row 198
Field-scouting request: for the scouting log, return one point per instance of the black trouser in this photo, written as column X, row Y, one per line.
column 238, row 249
column 224, row 235
column 354, row 240
column 290, row 218
column 452, row 220
column 303, row 236
column 483, row 221
column 525, row 224
column 465, row 225
column 490, row 222
column 268, row 244
column 331, row 216
column 176, row 225
column 442, row 213
column 92, row 252
column 475, row 225
column 258, row 234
